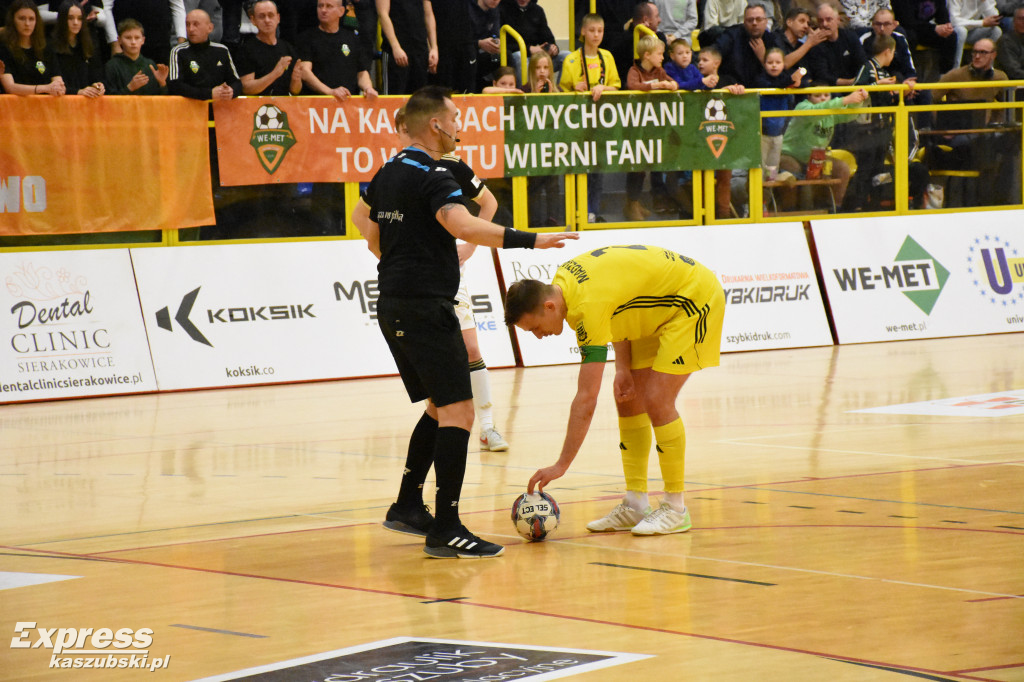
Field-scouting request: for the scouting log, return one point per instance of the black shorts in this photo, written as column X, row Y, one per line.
column 426, row 342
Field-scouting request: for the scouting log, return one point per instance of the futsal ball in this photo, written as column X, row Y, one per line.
column 269, row 117
column 535, row 515
column 715, row 110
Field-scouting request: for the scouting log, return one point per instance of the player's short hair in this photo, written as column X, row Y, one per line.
column 399, row 119
column 524, row 297
column 592, row 18
column 130, row 24
column 425, row 104
column 680, row 42
column 882, row 43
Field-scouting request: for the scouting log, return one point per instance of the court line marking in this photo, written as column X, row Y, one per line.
column 511, row 609
column 217, row 631
column 684, row 573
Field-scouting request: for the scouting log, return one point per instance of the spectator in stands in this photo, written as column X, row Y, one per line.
column 456, row 47
column 775, row 76
column 540, row 73
column 1010, row 49
column 681, row 68
column 486, row 20
column 860, row 12
column 367, row 22
column 972, row 21
column 591, row 69
column 645, row 14
column 200, row 69
column 927, row 23
column 870, row 136
column 884, row 23
column 332, row 62
column 743, row 47
column 708, row 62
column 838, row 58
column 31, row 69
column 505, row 82
column 130, row 72
column 409, row 44
column 679, row 19
column 265, row 62
column 726, row 13
column 646, row 75
column 79, row 65
column 808, row 133
column 212, row 8
column 994, row 155
column 160, row 18
column 96, row 17
column 798, row 37
column 527, row 18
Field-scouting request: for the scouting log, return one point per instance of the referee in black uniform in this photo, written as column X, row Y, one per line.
column 411, row 214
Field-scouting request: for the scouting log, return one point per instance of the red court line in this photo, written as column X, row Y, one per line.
column 994, row 667
column 1017, row 596
column 510, row 609
column 233, row 538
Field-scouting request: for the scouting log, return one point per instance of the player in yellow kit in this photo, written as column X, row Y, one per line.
column 663, row 313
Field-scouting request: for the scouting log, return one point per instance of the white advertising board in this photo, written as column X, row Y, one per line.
column 916, row 277
column 71, row 326
column 268, row 313
column 772, row 296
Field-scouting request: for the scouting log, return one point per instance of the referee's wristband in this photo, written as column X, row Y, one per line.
column 517, row 239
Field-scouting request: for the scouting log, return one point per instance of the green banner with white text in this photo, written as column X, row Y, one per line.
column 560, row 134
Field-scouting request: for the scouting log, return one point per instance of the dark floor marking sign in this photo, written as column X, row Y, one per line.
column 406, row 659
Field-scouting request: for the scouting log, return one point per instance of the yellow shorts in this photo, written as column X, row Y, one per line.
column 684, row 344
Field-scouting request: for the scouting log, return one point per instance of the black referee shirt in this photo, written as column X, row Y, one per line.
column 418, row 257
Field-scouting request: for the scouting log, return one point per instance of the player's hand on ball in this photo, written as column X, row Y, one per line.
column 544, row 476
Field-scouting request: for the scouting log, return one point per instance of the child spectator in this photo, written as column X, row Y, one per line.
column 646, row 75
column 775, row 76
column 591, row 69
column 31, row 68
column 540, row 70
column 872, row 134
column 807, row 133
column 708, row 62
column 681, row 68
column 80, row 66
column 129, row 73
column 504, row 82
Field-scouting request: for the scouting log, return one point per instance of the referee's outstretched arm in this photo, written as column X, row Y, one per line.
column 462, row 224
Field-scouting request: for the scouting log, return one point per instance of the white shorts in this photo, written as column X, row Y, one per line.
column 463, row 306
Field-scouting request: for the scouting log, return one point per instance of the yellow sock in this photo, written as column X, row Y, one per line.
column 635, row 444
column 671, row 439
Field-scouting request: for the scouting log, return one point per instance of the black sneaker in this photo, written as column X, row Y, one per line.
column 409, row 520
column 459, row 543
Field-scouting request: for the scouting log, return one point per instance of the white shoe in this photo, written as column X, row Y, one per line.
column 491, row 440
column 663, row 521
column 622, row 517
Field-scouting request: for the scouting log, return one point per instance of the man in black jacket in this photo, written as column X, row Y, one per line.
column 201, row 69
column 527, row 18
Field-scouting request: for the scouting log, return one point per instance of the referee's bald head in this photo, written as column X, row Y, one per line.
column 425, row 104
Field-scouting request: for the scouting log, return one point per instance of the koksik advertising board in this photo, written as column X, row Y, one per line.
column 771, row 293
column 71, row 326
column 918, row 277
column 270, row 313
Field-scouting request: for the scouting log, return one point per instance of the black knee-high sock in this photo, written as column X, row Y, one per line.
column 450, row 448
column 418, row 461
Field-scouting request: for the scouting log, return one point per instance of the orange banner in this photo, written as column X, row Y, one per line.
column 263, row 140
column 73, row 164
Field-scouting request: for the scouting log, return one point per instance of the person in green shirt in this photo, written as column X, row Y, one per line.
column 129, row 73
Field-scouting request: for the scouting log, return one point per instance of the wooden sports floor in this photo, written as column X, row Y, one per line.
column 242, row 527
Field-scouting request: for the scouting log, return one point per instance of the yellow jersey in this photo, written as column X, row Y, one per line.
column 625, row 293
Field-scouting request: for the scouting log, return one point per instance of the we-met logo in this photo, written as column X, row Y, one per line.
column 914, row 272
